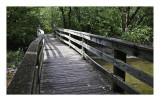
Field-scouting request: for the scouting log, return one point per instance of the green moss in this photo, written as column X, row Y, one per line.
column 140, row 64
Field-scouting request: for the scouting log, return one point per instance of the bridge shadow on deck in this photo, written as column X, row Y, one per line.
column 65, row 72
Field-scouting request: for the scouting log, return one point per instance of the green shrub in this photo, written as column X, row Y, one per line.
column 143, row 35
column 14, row 58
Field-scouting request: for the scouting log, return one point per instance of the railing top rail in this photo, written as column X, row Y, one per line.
column 136, row 49
column 131, row 44
column 23, row 79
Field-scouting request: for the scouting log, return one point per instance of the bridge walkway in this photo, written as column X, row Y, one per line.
column 65, row 71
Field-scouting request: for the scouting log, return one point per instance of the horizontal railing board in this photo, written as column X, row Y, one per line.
column 138, row 50
column 131, row 44
column 22, row 81
column 146, row 78
column 115, row 79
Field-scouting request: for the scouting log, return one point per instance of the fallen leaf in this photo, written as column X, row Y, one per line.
column 104, row 88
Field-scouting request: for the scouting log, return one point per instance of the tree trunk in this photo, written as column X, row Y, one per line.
column 64, row 21
column 133, row 15
column 121, row 24
column 127, row 18
column 52, row 18
column 79, row 17
column 69, row 16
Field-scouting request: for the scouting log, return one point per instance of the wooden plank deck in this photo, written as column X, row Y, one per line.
column 65, row 71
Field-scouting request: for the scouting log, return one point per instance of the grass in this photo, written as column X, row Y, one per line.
column 140, row 64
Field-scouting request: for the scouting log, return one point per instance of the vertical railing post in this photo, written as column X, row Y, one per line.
column 60, row 35
column 116, row 71
column 69, row 40
column 56, row 33
column 83, row 49
column 83, row 41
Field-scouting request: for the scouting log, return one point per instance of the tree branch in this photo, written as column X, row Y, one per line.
column 133, row 15
column 141, row 19
column 138, row 22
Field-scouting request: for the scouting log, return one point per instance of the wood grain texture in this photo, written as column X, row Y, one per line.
column 146, row 78
column 65, row 71
column 138, row 50
column 116, row 79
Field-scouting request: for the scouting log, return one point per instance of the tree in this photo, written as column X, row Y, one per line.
column 127, row 18
column 69, row 17
column 105, row 21
column 22, row 24
column 63, row 15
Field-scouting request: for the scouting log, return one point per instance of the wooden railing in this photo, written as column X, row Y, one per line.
column 26, row 80
column 121, row 49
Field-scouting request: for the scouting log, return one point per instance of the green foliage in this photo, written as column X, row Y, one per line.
column 14, row 58
column 22, row 24
column 143, row 35
column 106, row 21
column 46, row 19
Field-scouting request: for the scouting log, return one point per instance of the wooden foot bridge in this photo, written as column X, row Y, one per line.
column 60, row 64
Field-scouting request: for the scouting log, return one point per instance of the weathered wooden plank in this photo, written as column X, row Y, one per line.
column 124, row 85
column 115, row 79
column 146, row 78
column 73, row 75
column 82, row 89
column 73, row 46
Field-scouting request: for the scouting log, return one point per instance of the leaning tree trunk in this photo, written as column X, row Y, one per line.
column 125, row 25
column 131, row 18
